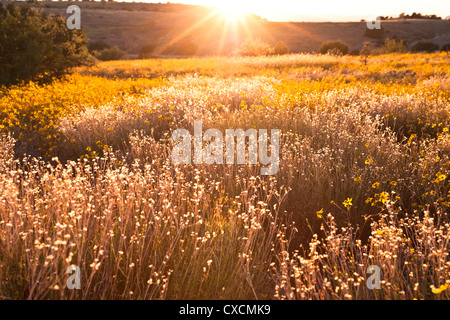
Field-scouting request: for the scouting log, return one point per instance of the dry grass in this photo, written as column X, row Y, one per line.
column 363, row 180
column 411, row 253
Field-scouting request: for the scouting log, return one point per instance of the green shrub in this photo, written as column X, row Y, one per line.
column 332, row 46
column 37, row 46
column 281, row 48
column 425, row 46
column 335, row 52
column 392, row 46
column 108, row 54
column 255, row 47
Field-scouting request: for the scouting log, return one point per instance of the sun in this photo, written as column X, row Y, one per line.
column 232, row 11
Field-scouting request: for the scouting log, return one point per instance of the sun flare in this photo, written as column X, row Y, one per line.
column 231, row 10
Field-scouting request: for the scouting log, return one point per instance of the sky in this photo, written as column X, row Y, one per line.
column 329, row 10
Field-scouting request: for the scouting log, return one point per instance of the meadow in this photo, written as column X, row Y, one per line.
column 86, row 179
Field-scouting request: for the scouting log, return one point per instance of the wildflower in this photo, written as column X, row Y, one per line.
column 440, row 289
column 368, row 161
column 411, row 138
column 319, row 213
column 348, row 203
column 384, row 197
column 440, row 177
column 357, row 179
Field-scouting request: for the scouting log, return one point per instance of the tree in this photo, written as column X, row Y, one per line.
column 281, row 48
column 425, row 46
column 37, row 46
column 255, row 47
column 392, row 46
column 108, row 54
column 366, row 51
column 333, row 46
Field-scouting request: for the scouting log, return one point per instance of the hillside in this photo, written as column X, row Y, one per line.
column 168, row 27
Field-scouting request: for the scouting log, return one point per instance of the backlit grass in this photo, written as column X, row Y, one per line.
column 363, row 180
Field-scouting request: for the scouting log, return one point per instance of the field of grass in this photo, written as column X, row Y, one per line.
column 86, row 179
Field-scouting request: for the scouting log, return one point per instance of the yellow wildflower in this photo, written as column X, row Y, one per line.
column 319, row 213
column 384, row 197
column 440, row 289
column 348, row 203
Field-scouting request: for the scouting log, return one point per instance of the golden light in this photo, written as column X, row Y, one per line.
column 233, row 11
